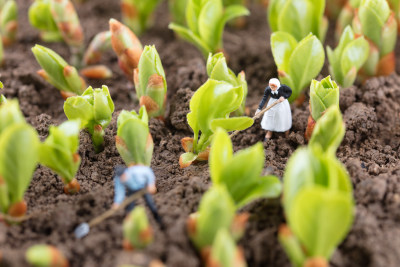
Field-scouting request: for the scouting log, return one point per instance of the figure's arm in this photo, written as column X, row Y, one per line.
column 287, row 92
column 119, row 191
column 264, row 99
column 151, row 182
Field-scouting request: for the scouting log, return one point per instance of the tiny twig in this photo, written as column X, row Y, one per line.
column 257, row 116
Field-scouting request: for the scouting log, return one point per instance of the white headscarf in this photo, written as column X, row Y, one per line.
column 275, row 81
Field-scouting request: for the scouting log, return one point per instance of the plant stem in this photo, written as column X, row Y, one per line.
column 98, row 138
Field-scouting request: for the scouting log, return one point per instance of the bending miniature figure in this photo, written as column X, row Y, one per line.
column 128, row 181
column 278, row 118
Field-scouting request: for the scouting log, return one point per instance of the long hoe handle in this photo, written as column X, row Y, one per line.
column 258, row 115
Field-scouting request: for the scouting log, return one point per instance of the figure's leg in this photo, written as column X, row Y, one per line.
column 287, row 133
column 131, row 205
column 268, row 135
column 152, row 206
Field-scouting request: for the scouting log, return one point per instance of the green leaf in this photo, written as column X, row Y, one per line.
column 135, row 227
column 355, row 54
column 232, row 124
column 329, row 130
column 282, row 45
column 209, row 18
column 323, row 94
column 191, row 37
column 321, row 219
column 306, row 62
column 216, row 211
column 224, row 252
column 19, row 145
column 240, row 173
column 10, row 114
column 137, row 145
column 58, row 152
column 40, row 16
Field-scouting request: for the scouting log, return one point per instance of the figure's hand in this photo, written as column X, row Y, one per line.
column 115, row 206
column 152, row 189
column 281, row 99
column 257, row 111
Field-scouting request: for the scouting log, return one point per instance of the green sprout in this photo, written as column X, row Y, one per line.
column 9, row 22
column 127, row 47
column 329, row 130
column 239, row 22
column 133, row 140
column 240, row 173
column 94, row 109
column 59, row 153
column 216, row 211
column 56, row 71
column 19, row 145
column 210, row 108
column 298, row 18
column 298, row 62
column 138, row 14
column 206, row 21
column 348, row 57
column 138, row 233
column 346, row 16
column 377, row 23
column 224, row 252
column 318, row 204
column 323, row 94
column 177, row 8
column 217, row 69
column 395, row 6
column 45, row 256
column 3, row 99
column 57, row 20
column 150, row 83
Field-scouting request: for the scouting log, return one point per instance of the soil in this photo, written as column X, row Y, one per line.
column 370, row 151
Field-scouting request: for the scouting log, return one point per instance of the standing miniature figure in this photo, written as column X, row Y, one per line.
column 279, row 117
column 128, row 181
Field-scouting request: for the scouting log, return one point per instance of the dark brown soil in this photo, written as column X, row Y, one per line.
column 370, row 151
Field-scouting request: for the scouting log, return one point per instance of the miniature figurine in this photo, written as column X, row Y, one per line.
column 128, row 181
column 278, row 118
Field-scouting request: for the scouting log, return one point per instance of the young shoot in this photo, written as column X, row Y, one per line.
column 348, row 57
column 8, row 22
column 345, row 17
column 241, row 173
column 206, row 21
column 378, row 24
column 150, row 83
column 239, row 22
column 216, row 211
column 133, row 140
column 329, row 130
column 217, row 69
column 94, row 108
column 298, row 62
column 57, row 20
column 224, row 252
column 138, row 14
column 45, row 256
column 318, row 204
column 19, row 144
column 3, row 99
column 323, row 94
column 56, row 71
column 59, row 153
column 177, row 9
column 137, row 231
column 210, row 108
column 127, row 47
column 298, row 18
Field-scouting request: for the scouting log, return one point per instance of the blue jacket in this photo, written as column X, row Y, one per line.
column 138, row 177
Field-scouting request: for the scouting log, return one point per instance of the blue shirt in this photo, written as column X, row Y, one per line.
column 138, row 177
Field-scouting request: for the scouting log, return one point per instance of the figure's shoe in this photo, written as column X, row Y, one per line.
column 268, row 136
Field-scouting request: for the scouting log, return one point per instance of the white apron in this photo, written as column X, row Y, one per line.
column 278, row 118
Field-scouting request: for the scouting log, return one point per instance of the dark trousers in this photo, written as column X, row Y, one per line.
column 149, row 202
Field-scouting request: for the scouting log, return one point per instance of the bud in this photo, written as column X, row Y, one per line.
column 45, row 256
column 127, row 47
column 96, row 72
column 100, row 43
column 150, row 82
column 41, row 18
column 133, row 140
column 9, row 22
column 57, row 72
column 67, row 21
column 323, row 94
column 138, row 14
column 137, row 231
